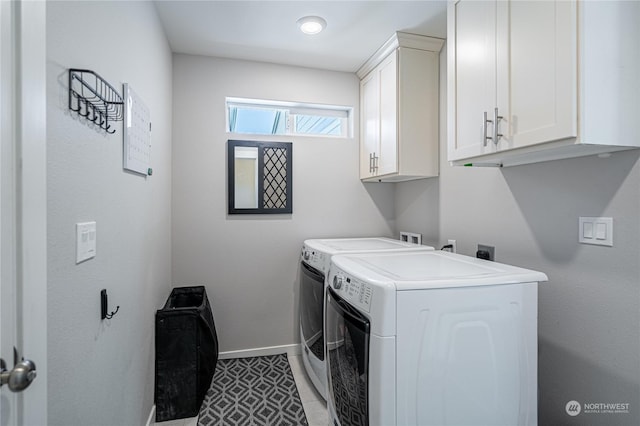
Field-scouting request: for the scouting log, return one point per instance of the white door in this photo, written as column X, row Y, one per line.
column 388, row 156
column 536, row 72
column 23, row 208
column 471, row 57
column 8, row 400
column 370, row 123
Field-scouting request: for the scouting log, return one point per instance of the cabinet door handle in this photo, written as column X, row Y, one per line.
column 370, row 162
column 375, row 162
column 496, row 120
column 484, row 129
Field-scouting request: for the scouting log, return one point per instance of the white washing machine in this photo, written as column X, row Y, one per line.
column 314, row 265
column 431, row 338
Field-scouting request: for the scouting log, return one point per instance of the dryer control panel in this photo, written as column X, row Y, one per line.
column 356, row 292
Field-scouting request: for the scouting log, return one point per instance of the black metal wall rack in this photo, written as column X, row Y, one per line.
column 95, row 99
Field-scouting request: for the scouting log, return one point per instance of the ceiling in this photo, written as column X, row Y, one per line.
column 266, row 30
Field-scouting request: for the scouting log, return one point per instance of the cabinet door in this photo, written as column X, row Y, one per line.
column 471, row 71
column 536, row 71
column 369, row 122
column 388, row 156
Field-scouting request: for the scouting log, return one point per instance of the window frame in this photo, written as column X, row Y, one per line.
column 293, row 110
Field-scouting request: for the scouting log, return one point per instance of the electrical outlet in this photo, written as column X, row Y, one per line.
column 486, row 252
column 411, row 237
column 452, row 243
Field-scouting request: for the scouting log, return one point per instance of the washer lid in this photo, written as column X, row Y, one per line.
column 345, row 245
column 431, row 269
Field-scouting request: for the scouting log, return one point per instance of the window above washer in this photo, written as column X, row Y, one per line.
column 253, row 116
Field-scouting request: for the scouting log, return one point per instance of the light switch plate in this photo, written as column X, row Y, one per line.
column 85, row 241
column 596, row 231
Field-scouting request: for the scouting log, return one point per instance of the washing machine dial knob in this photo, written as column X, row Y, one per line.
column 337, row 282
column 305, row 255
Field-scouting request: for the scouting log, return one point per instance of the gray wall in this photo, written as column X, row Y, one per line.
column 589, row 311
column 249, row 263
column 102, row 372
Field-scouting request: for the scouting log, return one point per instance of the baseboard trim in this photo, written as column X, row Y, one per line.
column 151, row 420
column 270, row 350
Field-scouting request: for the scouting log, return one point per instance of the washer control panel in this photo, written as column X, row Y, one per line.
column 315, row 258
column 356, row 292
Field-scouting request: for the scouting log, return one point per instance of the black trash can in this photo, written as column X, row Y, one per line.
column 186, row 353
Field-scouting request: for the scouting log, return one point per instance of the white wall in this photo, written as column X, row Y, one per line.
column 589, row 311
column 249, row 264
column 102, row 372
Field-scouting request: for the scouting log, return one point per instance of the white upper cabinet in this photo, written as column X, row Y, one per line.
column 532, row 81
column 399, row 110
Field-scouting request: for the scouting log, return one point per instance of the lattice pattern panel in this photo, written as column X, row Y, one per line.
column 275, row 178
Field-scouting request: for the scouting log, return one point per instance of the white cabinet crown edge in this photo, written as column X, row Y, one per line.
column 399, row 39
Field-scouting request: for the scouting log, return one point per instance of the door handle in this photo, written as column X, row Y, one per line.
column 496, row 120
column 485, row 120
column 19, row 377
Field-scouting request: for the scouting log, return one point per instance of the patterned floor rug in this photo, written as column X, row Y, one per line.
column 257, row 391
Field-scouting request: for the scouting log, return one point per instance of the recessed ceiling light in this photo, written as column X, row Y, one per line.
column 311, row 24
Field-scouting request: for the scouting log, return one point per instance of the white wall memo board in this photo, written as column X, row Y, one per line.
column 137, row 133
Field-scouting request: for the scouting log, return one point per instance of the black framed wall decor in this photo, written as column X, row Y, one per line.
column 259, row 177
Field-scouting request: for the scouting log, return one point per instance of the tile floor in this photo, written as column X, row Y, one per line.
column 314, row 406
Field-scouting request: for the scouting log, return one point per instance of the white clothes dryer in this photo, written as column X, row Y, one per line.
column 431, row 338
column 315, row 260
